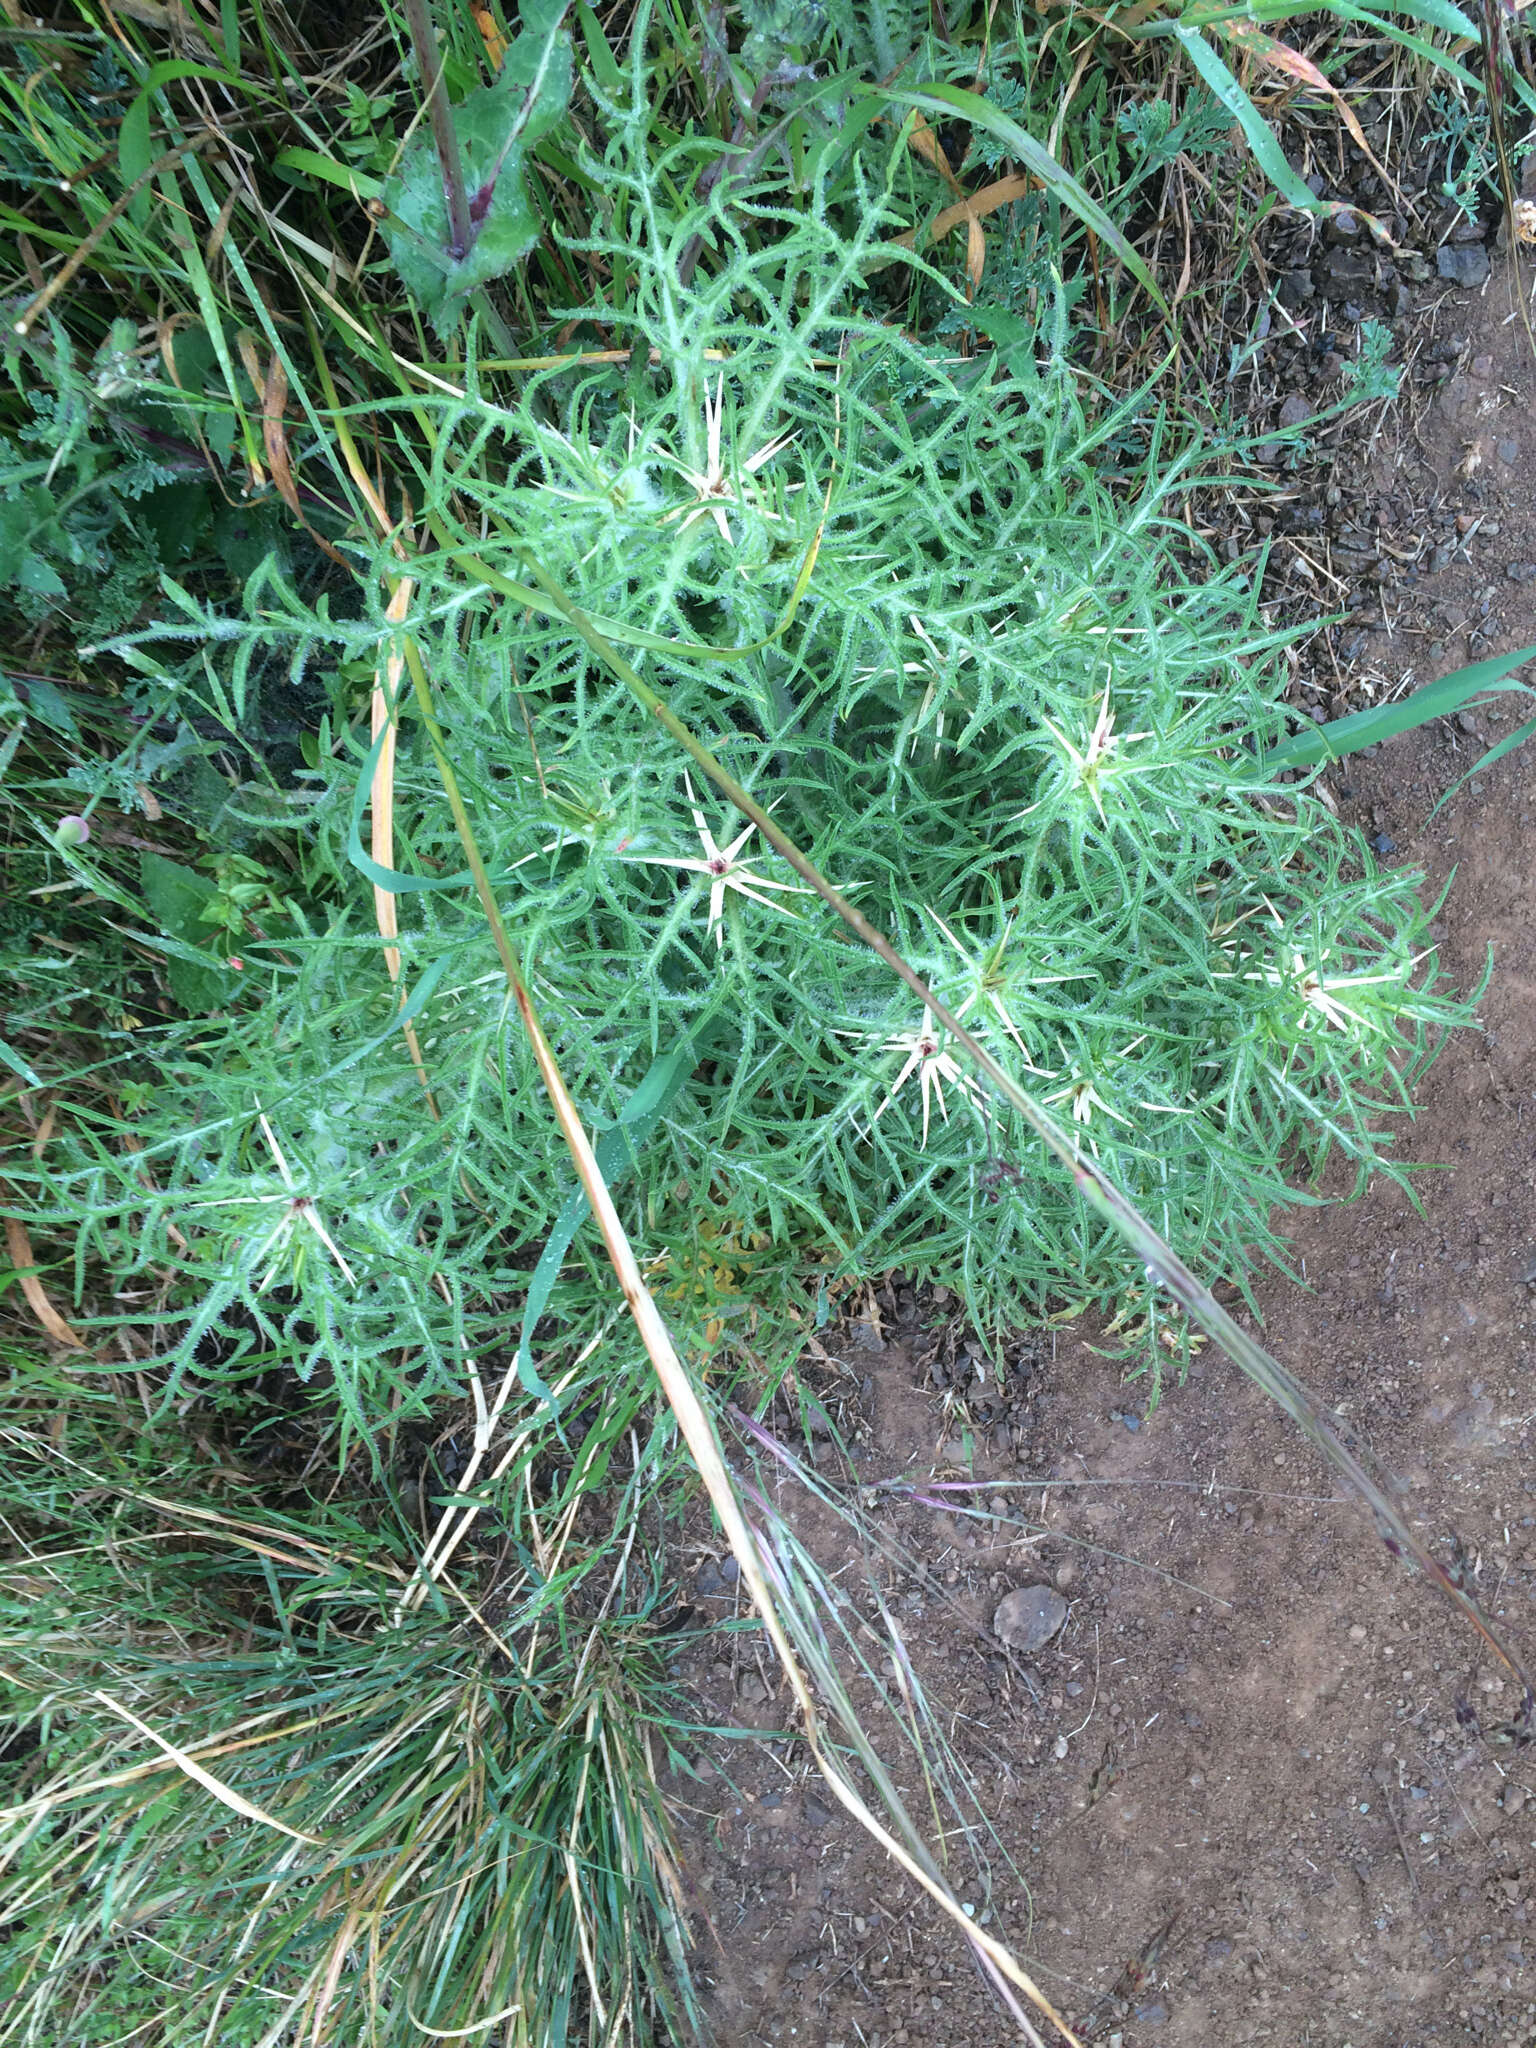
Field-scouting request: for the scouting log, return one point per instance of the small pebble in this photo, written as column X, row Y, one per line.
column 1521, row 572
column 1509, row 451
column 1384, row 843
column 1028, row 1617
column 1465, row 264
column 1132, row 1422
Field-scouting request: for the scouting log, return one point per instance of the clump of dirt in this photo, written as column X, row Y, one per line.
column 1242, row 1792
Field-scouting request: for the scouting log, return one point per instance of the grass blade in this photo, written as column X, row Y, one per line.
column 1443, row 698
column 949, row 100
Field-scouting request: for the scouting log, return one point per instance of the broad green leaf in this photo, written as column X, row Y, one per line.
column 136, row 150
column 176, row 897
column 495, row 126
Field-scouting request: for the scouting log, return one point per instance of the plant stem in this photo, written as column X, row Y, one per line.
column 461, row 235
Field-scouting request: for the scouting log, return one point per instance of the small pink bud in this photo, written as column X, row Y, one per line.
column 71, row 831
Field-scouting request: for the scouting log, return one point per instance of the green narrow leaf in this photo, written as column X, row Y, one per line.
column 1440, row 699
column 604, row 64
column 381, row 877
column 18, row 1065
column 1505, row 746
column 1267, row 153
column 314, row 165
column 134, row 157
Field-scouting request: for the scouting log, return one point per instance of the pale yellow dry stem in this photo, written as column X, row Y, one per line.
column 381, row 799
column 20, row 1247
column 692, row 1417
column 699, row 1434
column 186, row 1762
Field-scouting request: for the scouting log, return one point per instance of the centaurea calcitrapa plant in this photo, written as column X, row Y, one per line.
column 961, row 645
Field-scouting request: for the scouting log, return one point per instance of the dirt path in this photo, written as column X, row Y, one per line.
column 1237, row 1797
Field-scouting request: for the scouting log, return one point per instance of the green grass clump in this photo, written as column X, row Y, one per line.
column 409, row 1811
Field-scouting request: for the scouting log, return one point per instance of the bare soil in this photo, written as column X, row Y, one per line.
column 1250, row 1791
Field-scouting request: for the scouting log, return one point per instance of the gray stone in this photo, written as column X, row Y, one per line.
column 1295, row 410
column 1465, row 264
column 1521, row 572
column 1458, row 396
column 1509, row 451
column 1028, row 1617
column 1342, row 269
column 1294, row 289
